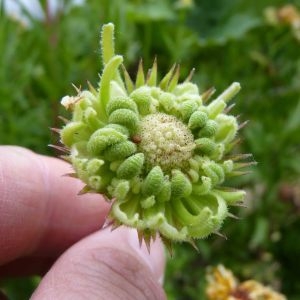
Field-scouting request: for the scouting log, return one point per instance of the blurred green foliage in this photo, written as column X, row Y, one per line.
column 225, row 41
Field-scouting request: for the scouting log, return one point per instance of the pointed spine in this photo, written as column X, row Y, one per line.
column 140, row 77
column 165, row 81
column 152, row 74
column 221, row 235
column 86, row 189
column 128, row 82
column 190, row 76
column 72, row 175
column 168, row 244
column 77, row 89
column 92, row 89
column 207, row 94
column 56, row 130
column 229, row 108
column 60, row 148
column 239, row 157
column 232, row 216
column 242, row 125
column 238, row 166
column 174, row 80
column 66, row 121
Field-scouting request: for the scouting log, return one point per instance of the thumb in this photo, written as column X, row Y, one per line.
column 106, row 265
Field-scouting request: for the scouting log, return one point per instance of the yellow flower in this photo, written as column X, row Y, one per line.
column 285, row 15
column 222, row 285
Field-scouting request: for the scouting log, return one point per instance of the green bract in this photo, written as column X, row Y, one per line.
column 154, row 149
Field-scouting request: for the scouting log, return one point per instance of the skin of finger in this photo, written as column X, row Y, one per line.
column 106, row 265
column 40, row 211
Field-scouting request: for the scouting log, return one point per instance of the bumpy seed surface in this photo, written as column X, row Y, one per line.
column 165, row 141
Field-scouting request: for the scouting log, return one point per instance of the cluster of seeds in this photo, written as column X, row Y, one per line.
column 154, row 149
column 165, row 141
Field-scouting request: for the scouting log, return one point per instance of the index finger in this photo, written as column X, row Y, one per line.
column 40, row 211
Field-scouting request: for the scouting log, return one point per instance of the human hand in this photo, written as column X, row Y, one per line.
column 45, row 228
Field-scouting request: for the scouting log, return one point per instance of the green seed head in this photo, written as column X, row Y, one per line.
column 154, row 149
column 166, row 142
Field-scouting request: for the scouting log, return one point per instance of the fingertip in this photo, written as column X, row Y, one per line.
column 154, row 256
column 106, row 265
column 41, row 213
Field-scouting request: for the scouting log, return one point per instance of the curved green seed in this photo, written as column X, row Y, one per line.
column 131, row 167
column 120, row 151
column 214, row 171
column 202, row 187
column 228, row 166
column 153, row 182
column 91, row 118
column 120, row 102
column 187, row 108
column 194, row 175
column 205, row 146
column 165, row 192
column 95, row 182
column 142, row 98
column 72, row 132
column 125, row 117
column 232, row 197
column 186, row 88
column 197, row 120
column 94, row 165
column 121, row 190
column 227, row 128
column 219, row 171
column 180, row 185
column 148, row 202
column 102, row 139
column 186, row 217
column 119, row 128
column 167, row 101
column 209, row 129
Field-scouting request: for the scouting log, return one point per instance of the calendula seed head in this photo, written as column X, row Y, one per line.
column 154, row 149
column 165, row 141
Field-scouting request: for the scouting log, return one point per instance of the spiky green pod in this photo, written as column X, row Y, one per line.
column 154, row 149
